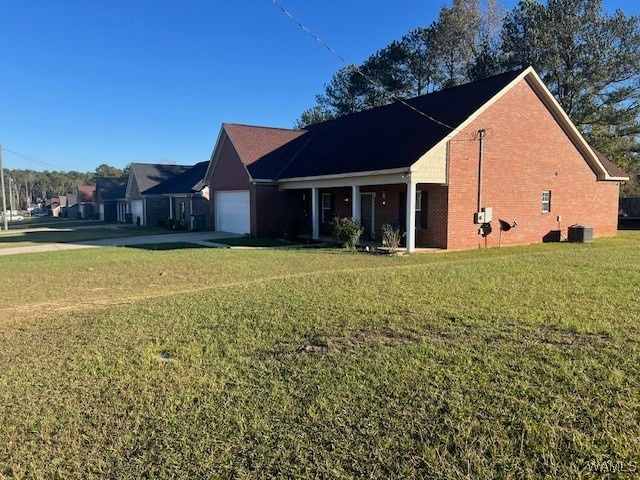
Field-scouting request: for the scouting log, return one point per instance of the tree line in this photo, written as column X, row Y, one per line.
column 27, row 187
column 589, row 59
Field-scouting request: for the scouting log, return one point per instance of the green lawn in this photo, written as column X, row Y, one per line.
column 252, row 242
column 215, row 363
column 21, row 238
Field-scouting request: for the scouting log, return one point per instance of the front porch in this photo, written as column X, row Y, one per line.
column 417, row 207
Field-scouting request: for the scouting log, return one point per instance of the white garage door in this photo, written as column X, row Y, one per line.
column 232, row 212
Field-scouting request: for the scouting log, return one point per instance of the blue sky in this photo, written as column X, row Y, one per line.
column 120, row 81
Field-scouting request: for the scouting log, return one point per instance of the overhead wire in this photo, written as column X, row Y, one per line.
column 31, row 159
column 357, row 69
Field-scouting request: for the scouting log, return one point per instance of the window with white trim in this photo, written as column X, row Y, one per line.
column 546, row 201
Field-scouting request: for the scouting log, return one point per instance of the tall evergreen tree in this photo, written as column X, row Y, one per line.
column 420, row 65
column 426, row 59
column 590, row 60
column 455, row 37
column 591, row 63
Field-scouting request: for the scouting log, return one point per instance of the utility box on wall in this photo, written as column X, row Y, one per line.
column 580, row 234
column 485, row 215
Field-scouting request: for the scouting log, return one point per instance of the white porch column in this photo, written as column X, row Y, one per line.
column 315, row 213
column 411, row 217
column 192, row 217
column 143, row 220
column 171, row 207
column 355, row 202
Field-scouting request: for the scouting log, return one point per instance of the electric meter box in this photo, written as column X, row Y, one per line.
column 485, row 215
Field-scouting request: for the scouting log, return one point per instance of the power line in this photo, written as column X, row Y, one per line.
column 31, row 159
column 356, row 69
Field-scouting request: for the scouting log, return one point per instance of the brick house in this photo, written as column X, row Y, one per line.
column 183, row 198
column 85, row 195
column 142, row 177
column 108, row 192
column 452, row 166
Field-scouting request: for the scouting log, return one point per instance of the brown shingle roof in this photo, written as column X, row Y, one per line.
column 252, row 143
column 611, row 167
column 85, row 193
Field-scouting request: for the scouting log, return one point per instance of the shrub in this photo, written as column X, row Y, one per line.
column 347, row 231
column 391, row 237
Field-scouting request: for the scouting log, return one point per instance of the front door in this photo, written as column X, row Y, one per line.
column 367, row 215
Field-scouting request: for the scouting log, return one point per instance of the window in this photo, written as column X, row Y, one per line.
column 422, row 199
column 546, row 201
column 419, row 210
column 326, row 207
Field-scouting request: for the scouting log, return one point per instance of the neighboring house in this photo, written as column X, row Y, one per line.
column 85, row 196
column 71, row 209
column 142, row 177
column 451, row 167
column 183, row 198
column 53, row 206
column 108, row 193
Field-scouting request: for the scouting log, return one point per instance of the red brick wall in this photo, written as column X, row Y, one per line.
column 228, row 174
column 435, row 235
column 157, row 210
column 280, row 213
column 525, row 152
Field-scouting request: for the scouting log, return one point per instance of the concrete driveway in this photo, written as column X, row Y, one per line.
column 178, row 237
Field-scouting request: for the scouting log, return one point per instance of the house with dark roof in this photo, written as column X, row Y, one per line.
column 85, row 196
column 183, row 198
column 142, row 177
column 491, row 162
column 109, row 191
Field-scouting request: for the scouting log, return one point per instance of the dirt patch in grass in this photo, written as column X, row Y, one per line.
column 557, row 336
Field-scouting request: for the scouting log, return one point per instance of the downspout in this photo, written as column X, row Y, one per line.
column 481, row 134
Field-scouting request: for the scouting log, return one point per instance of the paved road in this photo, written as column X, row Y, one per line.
column 189, row 237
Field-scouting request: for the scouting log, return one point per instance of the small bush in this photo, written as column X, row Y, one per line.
column 391, row 237
column 347, row 231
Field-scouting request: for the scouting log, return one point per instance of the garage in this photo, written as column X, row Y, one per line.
column 232, row 212
column 136, row 211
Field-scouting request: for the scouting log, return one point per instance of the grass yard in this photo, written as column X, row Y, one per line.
column 215, row 363
column 21, row 238
column 253, row 242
